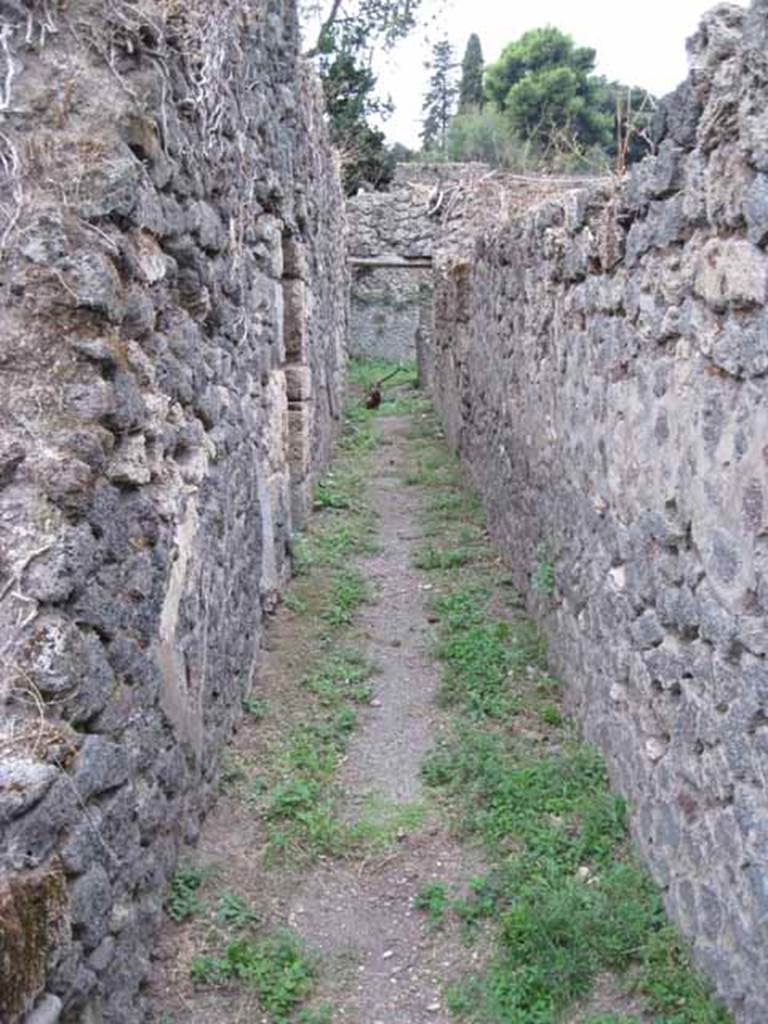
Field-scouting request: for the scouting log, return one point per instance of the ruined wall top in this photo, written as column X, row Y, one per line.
column 433, row 209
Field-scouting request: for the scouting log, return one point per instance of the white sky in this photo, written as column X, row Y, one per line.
column 641, row 44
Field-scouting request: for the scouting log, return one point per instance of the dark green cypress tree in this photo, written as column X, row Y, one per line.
column 471, row 88
column 441, row 95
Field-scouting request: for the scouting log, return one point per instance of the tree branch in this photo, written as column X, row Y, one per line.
column 325, row 28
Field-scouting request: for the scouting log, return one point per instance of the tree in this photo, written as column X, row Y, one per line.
column 440, row 97
column 349, row 31
column 543, row 82
column 547, row 110
column 354, row 25
column 481, row 135
column 471, row 95
column 350, row 101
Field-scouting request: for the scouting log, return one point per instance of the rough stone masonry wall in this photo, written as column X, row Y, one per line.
column 601, row 366
column 429, row 208
column 171, row 348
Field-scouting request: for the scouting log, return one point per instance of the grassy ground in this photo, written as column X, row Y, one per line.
column 290, row 790
column 565, row 899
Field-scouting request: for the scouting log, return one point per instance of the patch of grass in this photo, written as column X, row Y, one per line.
column 434, row 471
column 183, row 900
column 349, row 590
column 279, row 970
column 434, row 900
column 383, row 823
column 565, row 898
column 341, row 676
column 481, row 656
column 671, row 984
column 543, row 579
column 364, row 373
column 255, row 708
column 233, row 911
column 442, row 558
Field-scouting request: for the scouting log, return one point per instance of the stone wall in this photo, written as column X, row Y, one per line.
column 171, row 353
column 430, row 209
column 600, row 364
column 388, row 308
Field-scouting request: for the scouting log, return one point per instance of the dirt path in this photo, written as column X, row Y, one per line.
column 327, row 886
column 381, row 963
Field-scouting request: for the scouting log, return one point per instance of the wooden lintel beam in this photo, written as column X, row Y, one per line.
column 393, row 262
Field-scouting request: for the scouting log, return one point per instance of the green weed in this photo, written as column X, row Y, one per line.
column 442, row 558
column 564, row 895
column 543, row 579
column 232, row 910
column 257, row 709
column 183, row 900
column 349, row 590
column 340, row 677
column 382, row 823
column 434, row 900
column 278, row 969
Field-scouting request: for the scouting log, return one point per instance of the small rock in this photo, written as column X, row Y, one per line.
column 129, row 464
column 433, row 1007
column 655, row 748
column 387, row 954
column 47, row 1011
column 22, row 784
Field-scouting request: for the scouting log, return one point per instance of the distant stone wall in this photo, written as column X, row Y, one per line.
column 388, row 309
column 429, row 209
column 601, row 366
column 171, row 355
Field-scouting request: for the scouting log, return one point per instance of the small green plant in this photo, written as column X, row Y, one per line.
column 278, row 969
column 543, row 579
column 442, row 558
column 183, row 900
column 234, row 911
column 295, row 603
column 434, row 900
column 232, row 773
column 255, row 708
column 382, row 823
column 485, row 895
column 320, row 1015
column 349, row 591
column 551, row 715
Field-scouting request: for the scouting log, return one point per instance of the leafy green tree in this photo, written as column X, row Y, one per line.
column 471, row 96
column 356, row 25
column 479, row 135
column 350, row 101
column 348, row 33
column 440, row 98
column 544, row 83
column 535, row 51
